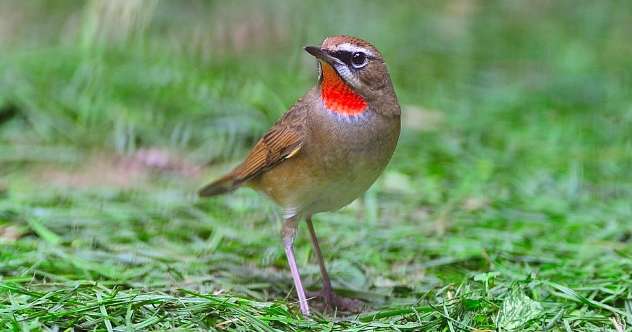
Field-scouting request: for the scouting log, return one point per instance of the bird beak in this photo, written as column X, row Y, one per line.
column 322, row 55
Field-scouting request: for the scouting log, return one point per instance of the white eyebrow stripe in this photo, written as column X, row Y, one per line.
column 353, row 48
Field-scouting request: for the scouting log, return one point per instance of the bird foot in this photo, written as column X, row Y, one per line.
column 330, row 302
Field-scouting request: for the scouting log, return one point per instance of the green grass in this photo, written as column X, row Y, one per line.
column 505, row 207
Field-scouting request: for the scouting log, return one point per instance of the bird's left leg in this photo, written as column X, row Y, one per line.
column 327, row 293
column 288, row 233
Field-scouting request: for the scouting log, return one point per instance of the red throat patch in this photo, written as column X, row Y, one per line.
column 337, row 95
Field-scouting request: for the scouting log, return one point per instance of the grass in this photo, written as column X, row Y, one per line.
column 506, row 206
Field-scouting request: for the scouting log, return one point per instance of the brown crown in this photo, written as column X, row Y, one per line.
column 331, row 43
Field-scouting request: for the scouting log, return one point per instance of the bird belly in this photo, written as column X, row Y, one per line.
column 336, row 192
column 306, row 187
column 337, row 163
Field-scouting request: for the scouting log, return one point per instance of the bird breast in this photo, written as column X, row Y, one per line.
column 340, row 159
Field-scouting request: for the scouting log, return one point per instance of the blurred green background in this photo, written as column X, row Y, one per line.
column 506, row 205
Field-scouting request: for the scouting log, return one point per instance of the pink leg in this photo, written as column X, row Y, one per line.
column 288, row 232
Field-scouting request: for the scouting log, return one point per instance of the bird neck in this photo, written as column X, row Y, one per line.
column 337, row 96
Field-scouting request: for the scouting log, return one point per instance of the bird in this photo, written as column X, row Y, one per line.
column 326, row 150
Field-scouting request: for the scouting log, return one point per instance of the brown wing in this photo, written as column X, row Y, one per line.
column 281, row 142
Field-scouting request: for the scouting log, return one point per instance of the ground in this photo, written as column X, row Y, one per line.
column 506, row 205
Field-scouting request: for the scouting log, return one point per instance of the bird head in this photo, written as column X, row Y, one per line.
column 352, row 74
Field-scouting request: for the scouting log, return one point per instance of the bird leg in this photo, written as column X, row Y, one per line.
column 327, row 292
column 332, row 301
column 288, row 233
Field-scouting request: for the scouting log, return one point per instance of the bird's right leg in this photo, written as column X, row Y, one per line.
column 288, row 233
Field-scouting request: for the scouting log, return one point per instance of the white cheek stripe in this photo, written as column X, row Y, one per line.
column 346, row 74
column 353, row 48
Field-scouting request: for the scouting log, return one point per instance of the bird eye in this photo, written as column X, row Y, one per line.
column 358, row 60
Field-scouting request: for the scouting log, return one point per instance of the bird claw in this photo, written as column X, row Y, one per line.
column 330, row 302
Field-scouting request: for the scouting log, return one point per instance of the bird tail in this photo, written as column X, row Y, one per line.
column 220, row 186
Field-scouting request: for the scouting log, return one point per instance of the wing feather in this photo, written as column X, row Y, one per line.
column 284, row 140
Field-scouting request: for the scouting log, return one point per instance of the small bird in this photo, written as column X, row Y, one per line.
column 327, row 150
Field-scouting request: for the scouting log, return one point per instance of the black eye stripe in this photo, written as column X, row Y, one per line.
column 346, row 56
column 343, row 56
